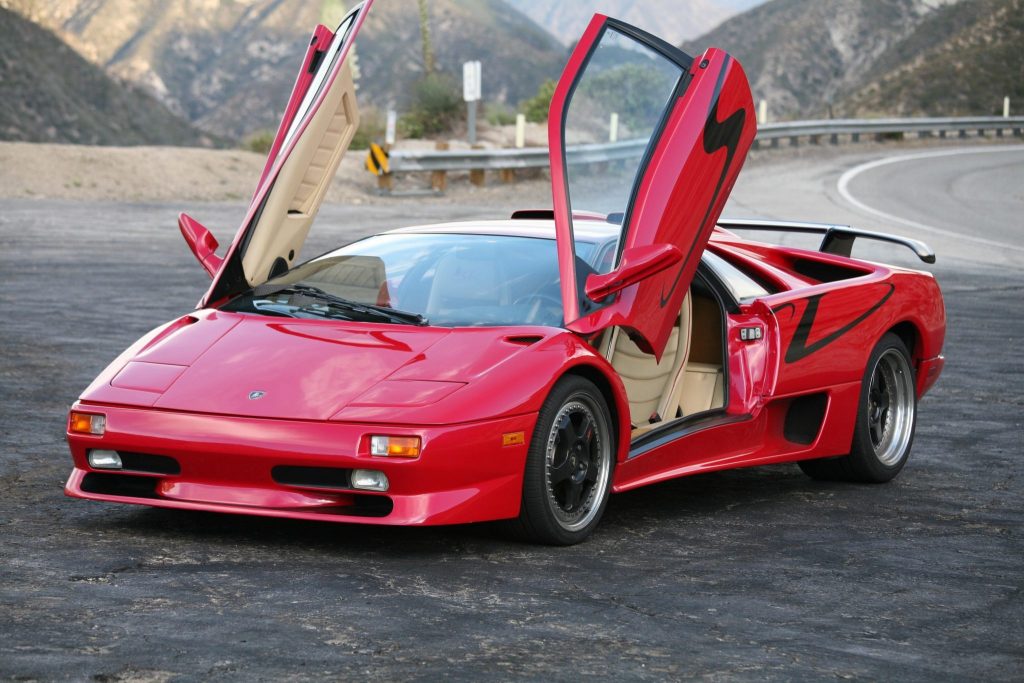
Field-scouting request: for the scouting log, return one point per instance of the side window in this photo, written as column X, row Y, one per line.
column 742, row 286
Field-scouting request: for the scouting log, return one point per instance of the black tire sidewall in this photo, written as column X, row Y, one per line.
column 862, row 453
column 538, row 519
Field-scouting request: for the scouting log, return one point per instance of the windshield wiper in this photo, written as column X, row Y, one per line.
column 383, row 312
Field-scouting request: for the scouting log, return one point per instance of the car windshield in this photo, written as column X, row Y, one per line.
column 450, row 280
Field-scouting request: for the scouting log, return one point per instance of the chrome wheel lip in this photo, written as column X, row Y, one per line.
column 891, row 407
column 591, row 502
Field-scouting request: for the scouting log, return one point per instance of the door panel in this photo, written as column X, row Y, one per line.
column 688, row 151
column 318, row 125
column 302, row 182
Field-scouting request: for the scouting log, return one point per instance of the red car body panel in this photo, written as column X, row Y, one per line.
column 230, row 405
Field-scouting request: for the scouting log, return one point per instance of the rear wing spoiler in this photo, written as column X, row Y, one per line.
column 838, row 239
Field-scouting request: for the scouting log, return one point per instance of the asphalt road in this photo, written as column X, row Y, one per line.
column 752, row 574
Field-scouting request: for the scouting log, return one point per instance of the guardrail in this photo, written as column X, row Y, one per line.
column 507, row 160
column 794, row 130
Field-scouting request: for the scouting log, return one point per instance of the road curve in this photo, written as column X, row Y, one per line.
column 966, row 202
column 974, row 195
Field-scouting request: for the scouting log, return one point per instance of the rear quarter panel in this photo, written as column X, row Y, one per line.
column 827, row 331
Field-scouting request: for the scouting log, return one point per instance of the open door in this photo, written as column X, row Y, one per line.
column 316, row 130
column 654, row 139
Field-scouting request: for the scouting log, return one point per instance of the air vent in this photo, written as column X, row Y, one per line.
column 312, row 477
column 150, row 464
column 524, row 339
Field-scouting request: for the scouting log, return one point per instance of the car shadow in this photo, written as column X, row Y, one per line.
column 693, row 499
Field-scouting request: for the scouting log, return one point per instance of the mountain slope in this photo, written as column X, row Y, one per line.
column 670, row 19
column 961, row 60
column 802, row 55
column 228, row 66
column 48, row 93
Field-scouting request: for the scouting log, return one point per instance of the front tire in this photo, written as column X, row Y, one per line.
column 886, row 419
column 567, row 480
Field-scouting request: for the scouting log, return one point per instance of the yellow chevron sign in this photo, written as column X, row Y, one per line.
column 377, row 160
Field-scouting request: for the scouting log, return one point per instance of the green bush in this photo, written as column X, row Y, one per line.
column 436, row 107
column 259, row 142
column 372, row 128
column 498, row 114
column 536, row 108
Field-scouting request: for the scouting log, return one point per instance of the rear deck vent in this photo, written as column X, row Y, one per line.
column 824, row 272
column 312, row 477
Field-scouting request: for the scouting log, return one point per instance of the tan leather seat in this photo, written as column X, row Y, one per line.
column 702, row 386
column 650, row 386
column 450, row 293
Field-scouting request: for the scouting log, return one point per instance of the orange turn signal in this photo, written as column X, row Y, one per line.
column 87, row 423
column 513, row 439
column 395, row 446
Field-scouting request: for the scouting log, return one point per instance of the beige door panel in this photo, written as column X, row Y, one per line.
column 303, row 181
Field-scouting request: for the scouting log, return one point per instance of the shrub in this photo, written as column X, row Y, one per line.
column 259, row 141
column 372, row 128
column 536, row 108
column 437, row 106
column 498, row 114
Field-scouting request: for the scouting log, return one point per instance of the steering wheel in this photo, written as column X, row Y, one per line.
column 537, row 303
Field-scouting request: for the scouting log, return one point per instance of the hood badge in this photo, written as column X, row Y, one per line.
column 256, row 395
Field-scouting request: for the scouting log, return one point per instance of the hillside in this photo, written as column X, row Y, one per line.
column 48, row 93
column 672, row 20
column 962, row 60
column 803, row 55
column 228, row 66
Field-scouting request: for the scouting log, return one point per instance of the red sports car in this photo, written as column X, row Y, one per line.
column 520, row 369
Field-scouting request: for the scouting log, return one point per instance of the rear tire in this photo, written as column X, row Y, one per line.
column 567, row 480
column 886, row 419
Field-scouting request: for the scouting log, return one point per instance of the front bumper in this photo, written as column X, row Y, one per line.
column 227, row 464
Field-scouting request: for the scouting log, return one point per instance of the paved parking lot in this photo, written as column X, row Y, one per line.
column 752, row 574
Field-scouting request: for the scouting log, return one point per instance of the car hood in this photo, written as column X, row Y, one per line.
column 268, row 367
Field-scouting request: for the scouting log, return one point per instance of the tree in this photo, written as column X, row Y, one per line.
column 428, row 51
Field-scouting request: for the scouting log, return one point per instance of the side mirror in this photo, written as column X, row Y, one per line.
column 202, row 243
column 638, row 263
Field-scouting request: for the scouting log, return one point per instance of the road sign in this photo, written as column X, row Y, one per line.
column 377, row 160
column 389, row 135
column 471, row 81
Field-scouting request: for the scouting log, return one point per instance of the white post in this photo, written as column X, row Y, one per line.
column 762, row 111
column 613, row 128
column 471, row 88
column 389, row 133
column 1006, row 107
column 520, row 131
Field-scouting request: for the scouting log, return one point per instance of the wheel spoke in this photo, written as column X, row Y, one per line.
column 561, row 468
column 877, row 431
column 573, row 491
column 585, row 430
column 567, row 432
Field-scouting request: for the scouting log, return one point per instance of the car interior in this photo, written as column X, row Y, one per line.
column 689, row 379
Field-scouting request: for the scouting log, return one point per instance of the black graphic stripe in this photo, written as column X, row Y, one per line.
column 716, row 135
column 799, row 348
